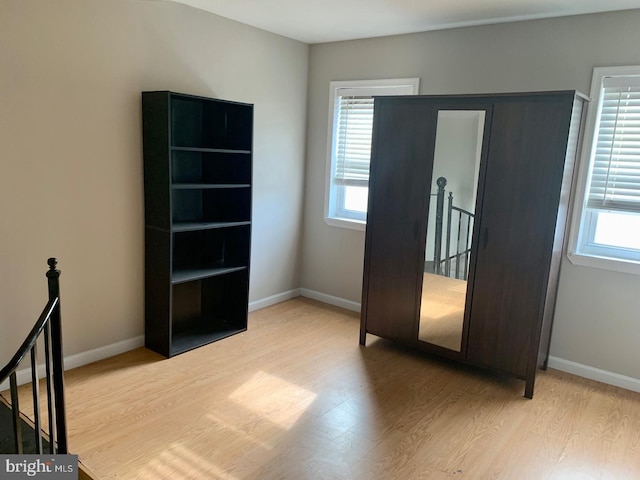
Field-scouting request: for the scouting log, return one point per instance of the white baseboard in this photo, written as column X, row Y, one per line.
column 331, row 300
column 274, row 299
column 23, row 376
column 304, row 292
column 593, row 373
column 101, row 353
column 73, row 361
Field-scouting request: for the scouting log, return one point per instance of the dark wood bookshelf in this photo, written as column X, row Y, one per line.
column 190, row 339
column 190, row 226
column 198, row 187
column 210, row 150
column 180, row 276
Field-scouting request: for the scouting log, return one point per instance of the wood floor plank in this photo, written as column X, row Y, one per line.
column 296, row 397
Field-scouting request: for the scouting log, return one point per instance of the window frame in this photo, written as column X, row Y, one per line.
column 581, row 248
column 334, row 212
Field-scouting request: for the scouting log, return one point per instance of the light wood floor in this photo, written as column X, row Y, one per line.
column 297, row 398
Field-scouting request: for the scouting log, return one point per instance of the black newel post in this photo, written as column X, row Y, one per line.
column 437, row 254
column 53, row 276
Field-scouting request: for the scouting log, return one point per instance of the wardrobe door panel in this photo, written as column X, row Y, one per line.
column 517, row 225
column 401, row 165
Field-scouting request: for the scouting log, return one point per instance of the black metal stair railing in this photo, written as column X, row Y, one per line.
column 459, row 259
column 49, row 328
column 449, row 264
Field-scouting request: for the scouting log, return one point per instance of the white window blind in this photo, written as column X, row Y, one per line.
column 353, row 143
column 615, row 175
column 351, row 105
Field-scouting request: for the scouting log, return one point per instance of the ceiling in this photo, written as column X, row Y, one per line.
column 318, row 21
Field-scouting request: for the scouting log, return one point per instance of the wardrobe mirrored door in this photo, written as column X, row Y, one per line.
column 453, row 191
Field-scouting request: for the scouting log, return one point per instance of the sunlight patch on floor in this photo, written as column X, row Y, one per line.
column 238, row 432
column 277, row 400
column 179, row 463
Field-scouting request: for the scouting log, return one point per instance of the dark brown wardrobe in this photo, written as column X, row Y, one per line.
column 468, row 205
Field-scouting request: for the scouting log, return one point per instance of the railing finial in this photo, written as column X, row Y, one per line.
column 53, row 263
column 53, row 274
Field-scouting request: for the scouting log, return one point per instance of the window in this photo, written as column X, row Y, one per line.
column 350, row 127
column 606, row 224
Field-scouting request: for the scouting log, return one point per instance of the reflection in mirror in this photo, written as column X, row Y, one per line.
column 450, row 226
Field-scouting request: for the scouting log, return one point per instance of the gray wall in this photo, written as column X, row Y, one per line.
column 71, row 73
column 597, row 313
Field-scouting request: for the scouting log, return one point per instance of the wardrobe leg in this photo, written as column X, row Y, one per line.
column 528, row 389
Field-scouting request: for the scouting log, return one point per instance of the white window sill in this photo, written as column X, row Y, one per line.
column 604, row 263
column 346, row 223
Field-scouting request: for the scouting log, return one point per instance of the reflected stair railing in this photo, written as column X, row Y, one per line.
column 453, row 265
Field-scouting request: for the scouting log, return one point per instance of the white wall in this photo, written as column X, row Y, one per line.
column 597, row 322
column 71, row 73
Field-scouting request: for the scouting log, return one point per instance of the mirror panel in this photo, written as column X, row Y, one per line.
column 458, row 148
